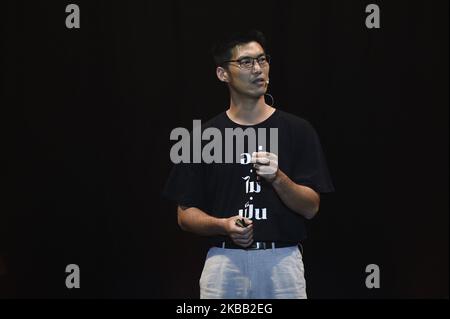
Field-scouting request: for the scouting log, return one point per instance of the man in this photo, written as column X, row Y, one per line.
column 253, row 210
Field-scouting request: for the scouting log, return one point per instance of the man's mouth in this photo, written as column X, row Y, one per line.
column 259, row 81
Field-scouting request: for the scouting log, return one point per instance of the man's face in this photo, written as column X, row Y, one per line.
column 251, row 82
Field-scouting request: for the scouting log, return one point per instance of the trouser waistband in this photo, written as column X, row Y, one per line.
column 256, row 245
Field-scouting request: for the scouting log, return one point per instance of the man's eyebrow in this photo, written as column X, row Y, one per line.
column 247, row 56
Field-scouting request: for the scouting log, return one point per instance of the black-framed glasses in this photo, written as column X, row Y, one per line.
column 248, row 63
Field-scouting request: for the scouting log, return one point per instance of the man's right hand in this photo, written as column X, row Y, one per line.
column 239, row 235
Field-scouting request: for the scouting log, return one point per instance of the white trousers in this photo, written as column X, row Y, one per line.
column 253, row 274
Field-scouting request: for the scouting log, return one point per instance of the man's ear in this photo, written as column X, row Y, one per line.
column 222, row 74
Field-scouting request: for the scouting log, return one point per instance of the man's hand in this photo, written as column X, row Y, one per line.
column 266, row 165
column 239, row 235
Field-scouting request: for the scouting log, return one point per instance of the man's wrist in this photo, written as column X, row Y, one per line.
column 223, row 226
column 278, row 178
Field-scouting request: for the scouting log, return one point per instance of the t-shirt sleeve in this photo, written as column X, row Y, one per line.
column 310, row 166
column 185, row 185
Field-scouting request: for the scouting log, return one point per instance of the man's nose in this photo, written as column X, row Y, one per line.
column 256, row 67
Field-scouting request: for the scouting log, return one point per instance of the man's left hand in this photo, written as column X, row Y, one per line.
column 266, row 165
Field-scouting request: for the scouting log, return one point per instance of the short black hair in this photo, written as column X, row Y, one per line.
column 222, row 49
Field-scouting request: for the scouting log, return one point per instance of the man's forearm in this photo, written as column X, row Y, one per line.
column 301, row 199
column 195, row 220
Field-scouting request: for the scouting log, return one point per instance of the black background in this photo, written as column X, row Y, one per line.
column 87, row 115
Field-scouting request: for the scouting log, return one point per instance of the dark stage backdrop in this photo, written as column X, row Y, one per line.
column 87, row 114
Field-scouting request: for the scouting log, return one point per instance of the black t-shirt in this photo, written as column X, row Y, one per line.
column 230, row 189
